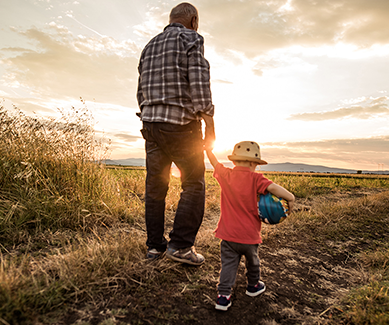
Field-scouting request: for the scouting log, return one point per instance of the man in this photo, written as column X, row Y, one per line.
column 173, row 92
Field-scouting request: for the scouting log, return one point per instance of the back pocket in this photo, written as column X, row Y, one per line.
column 179, row 144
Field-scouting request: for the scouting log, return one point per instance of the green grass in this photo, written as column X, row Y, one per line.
column 305, row 186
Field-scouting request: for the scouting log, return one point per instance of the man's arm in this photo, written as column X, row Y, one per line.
column 199, row 76
column 209, row 139
column 140, row 98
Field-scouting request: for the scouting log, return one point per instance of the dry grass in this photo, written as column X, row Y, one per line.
column 50, row 176
column 72, row 233
column 56, row 200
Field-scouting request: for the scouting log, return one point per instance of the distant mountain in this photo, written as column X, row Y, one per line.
column 299, row 168
column 283, row 167
column 126, row 162
column 304, row 168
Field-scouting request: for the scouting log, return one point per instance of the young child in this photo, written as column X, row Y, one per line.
column 239, row 226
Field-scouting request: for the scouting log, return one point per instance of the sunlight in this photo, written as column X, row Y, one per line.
column 287, row 6
column 223, row 146
column 175, row 171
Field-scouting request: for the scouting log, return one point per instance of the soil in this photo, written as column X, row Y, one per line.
column 305, row 281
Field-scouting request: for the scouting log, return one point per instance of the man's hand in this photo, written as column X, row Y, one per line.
column 209, row 138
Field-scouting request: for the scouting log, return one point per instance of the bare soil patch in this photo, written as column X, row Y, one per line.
column 305, row 281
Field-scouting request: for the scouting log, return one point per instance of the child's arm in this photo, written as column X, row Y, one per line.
column 212, row 158
column 279, row 191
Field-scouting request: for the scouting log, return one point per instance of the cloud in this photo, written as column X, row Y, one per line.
column 368, row 108
column 127, row 137
column 366, row 152
column 222, row 81
column 362, row 153
column 255, row 27
column 65, row 67
column 30, row 105
column 374, row 144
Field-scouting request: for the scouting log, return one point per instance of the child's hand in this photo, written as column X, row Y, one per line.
column 290, row 205
column 211, row 157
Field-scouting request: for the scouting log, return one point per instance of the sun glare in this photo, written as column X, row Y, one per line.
column 175, row 171
column 222, row 146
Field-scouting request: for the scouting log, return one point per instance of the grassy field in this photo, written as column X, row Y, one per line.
column 72, row 241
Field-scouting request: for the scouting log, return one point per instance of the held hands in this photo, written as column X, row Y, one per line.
column 209, row 138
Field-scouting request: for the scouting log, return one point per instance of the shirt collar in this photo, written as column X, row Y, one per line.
column 243, row 169
column 174, row 25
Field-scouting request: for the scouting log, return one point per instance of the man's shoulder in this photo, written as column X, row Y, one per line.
column 172, row 32
column 181, row 31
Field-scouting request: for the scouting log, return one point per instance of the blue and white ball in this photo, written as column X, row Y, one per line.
column 272, row 209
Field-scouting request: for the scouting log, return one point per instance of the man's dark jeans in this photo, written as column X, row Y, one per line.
column 181, row 144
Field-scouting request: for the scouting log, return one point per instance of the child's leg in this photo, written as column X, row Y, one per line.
column 230, row 261
column 252, row 265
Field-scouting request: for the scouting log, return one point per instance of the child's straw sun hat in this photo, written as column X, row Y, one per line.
column 247, row 151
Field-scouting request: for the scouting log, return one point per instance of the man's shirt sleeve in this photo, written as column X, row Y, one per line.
column 139, row 94
column 199, row 77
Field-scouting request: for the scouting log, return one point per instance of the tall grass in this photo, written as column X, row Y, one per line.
column 58, row 208
column 50, row 176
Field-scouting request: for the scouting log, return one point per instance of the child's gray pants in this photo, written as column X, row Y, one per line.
column 231, row 254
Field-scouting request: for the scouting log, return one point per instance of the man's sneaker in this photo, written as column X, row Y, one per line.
column 256, row 290
column 153, row 254
column 185, row 255
column 223, row 302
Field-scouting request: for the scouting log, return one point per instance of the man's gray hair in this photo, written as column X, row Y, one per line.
column 183, row 10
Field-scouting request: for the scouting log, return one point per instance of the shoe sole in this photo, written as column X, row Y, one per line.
column 223, row 308
column 254, row 294
column 183, row 260
column 152, row 257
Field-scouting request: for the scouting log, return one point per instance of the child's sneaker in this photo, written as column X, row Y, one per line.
column 223, row 302
column 185, row 255
column 153, row 254
column 256, row 290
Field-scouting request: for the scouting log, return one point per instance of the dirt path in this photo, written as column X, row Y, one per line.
column 304, row 283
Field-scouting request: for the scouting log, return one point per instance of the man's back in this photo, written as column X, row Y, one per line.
column 174, row 77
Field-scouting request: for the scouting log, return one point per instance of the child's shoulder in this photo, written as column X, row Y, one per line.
column 222, row 171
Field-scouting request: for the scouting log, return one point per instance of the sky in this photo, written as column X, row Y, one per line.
column 306, row 79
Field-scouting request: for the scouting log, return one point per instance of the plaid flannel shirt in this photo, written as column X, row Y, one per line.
column 174, row 79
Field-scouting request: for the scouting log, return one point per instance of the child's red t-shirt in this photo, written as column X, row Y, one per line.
column 239, row 221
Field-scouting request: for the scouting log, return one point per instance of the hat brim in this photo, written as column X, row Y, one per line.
column 244, row 158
